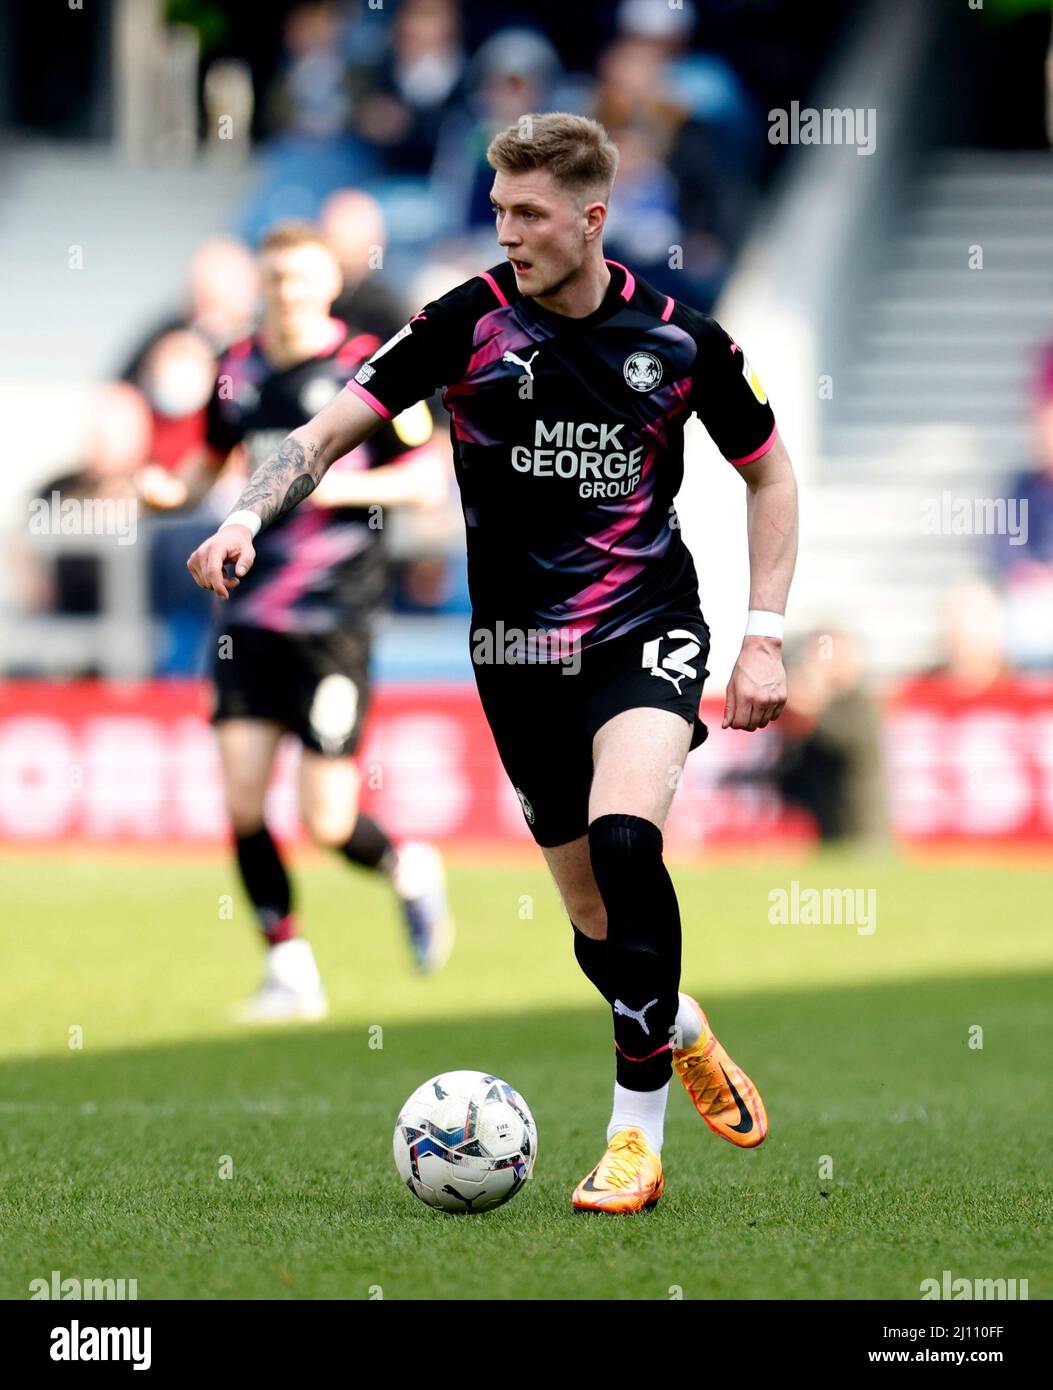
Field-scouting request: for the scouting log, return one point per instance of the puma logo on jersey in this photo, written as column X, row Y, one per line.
column 518, row 361
column 638, row 1014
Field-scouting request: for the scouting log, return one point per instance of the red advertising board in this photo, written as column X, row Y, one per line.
column 969, row 764
column 98, row 763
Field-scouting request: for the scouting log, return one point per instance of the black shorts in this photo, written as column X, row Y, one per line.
column 316, row 685
column 543, row 716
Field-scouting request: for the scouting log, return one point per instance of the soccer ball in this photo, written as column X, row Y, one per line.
column 465, row 1141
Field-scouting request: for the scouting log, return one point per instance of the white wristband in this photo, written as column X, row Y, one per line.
column 761, row 623
column 249, row 519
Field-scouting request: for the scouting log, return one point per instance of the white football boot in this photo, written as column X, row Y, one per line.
column 291, row 990
column 420, row 882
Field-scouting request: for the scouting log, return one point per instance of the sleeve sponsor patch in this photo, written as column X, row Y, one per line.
column 753, row 380
column 402, row 333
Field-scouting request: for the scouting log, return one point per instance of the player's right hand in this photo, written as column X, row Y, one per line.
column 231, row 545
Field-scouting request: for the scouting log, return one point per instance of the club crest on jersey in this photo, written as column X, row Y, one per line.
column 643, row 371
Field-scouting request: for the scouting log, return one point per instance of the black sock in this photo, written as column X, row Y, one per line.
column 369, row 846
column 592, row 957
column 265, row 879
column 643, row 946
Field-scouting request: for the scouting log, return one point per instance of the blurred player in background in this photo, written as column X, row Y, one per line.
column 293, row 651
column 569, row 382
column 352, row 222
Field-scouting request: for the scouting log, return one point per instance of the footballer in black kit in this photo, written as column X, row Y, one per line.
column 568, row 382
column 568, row 437
column 292, row 652
column 321, row 573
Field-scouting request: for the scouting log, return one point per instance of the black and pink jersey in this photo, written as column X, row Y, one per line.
column 318, row 568
column 568, row 439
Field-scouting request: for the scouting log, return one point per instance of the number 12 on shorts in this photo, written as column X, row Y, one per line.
column 674, row 661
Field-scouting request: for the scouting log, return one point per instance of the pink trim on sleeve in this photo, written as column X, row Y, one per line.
column 370, row 399
column 667, row 312
column 629, row 288
column 739, row 463
column 485, row 275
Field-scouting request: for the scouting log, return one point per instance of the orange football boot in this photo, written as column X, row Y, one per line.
column 720, row 1091
column 627, row 1178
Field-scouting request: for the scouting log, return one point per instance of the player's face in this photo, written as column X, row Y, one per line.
column 542, row 228
column 299, row 284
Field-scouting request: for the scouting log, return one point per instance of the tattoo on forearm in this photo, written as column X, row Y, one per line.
column 283, row 481
column 301, row 486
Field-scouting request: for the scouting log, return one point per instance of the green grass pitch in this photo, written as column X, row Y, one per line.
column 111, row 1153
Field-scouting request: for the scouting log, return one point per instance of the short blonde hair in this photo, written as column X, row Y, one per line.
column 577, row 151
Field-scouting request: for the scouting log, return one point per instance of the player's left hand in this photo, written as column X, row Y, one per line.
column 757, row 689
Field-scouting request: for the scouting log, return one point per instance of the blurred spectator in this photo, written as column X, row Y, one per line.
column 692, row 137
column 513, row 73
column 353, row 225
column 830, row 762
column 1026, row 558
column 329, row 55
column 681, row 183
column 974, row 639
column 174, row 365
column 416, row 85
column 313, row 95
column 644, row 124
column 116, row 447
column 176, row 379
column 221, row 302
column 704, row 82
